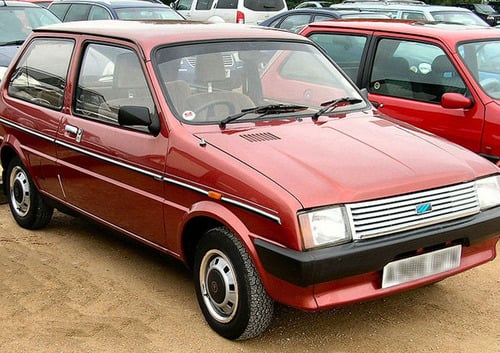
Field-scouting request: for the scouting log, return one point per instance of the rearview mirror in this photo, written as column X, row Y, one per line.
column 129, row 115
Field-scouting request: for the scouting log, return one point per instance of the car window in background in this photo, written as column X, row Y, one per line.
column 184, row 5
column 59, row 9
column 413, row 70
column 77, row 12
column 483, row 61
column 266, row 5
column 295, row 23
column 467, row 18
column 99, row 13
column 409, row 15
column 227, row 4
column 345, row 50
column 42, row 79
column 204, row 4
column 147, row 13
column 16, row 22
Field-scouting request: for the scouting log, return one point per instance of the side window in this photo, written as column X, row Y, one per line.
column 412, row 15
column 267, row 5
column 40, row 75
column 227, row 4
column 110, row 77
column 99, row 13
column 77, row 12
column 59, row 10
column 295, row 23
column 345, row 50
column 184, row 5
column 413, row 70
column 204, row 4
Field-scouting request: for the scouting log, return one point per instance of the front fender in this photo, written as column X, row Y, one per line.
column 208, row 214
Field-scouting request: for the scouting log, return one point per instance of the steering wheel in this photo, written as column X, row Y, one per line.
column 209, row 107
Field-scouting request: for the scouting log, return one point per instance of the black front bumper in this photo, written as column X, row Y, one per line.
column 365, row 256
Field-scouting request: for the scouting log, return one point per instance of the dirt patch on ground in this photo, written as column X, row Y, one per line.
column 77, row 287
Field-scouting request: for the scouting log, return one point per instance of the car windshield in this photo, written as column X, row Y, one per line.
column 147, row 13
column 483, row 61
column 16, row 23
column 463, row 17
column 206, row 83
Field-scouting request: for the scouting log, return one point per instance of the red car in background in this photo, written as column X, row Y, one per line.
column 444, row 78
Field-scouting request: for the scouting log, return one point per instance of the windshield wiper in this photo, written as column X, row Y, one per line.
column 331, row 105
column 13, row 42
column 264, row 110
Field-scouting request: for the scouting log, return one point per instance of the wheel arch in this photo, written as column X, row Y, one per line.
column 207, row 215
column 10, row 150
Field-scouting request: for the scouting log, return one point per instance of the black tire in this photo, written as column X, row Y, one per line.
column 228, row 287
column 26, row 204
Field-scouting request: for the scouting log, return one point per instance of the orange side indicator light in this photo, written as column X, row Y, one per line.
column 214, row 195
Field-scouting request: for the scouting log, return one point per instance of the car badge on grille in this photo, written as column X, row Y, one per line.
column 423, row 208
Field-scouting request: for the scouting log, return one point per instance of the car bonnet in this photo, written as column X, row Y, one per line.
column 350, row 159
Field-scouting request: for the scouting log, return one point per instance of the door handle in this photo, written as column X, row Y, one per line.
column 73, row 130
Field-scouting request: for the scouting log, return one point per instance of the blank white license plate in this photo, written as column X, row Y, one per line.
column 420, row 266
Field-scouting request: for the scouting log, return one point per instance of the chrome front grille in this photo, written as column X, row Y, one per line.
column 395, row 214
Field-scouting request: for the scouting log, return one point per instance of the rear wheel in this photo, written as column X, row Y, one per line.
column 228, row 287
column 26, row 204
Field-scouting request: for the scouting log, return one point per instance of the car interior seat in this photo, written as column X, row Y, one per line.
column 213, row 103
column 129, row 87
column 391, row 76
column 444, row 77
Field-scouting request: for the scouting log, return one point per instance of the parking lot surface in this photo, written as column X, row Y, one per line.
column 77, row 287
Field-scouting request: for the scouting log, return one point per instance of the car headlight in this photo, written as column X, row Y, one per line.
column 488, row 192
column 326, row 226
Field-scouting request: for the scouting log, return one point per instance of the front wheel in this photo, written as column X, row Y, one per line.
column 229, row 290
column 26, row 204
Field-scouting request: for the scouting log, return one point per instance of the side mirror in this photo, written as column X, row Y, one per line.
column 455, row 101
column 129, row 115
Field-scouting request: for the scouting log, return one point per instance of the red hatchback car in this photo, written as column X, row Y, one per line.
column 244, row 153
column 444, row 78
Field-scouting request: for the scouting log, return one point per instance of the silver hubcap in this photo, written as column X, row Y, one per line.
column 20, row 192
column 219, row 286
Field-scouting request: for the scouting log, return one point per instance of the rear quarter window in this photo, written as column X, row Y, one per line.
column 264, row 5
column 77, row 12
column 227, row 4
column 40, row 75
column 59, row 10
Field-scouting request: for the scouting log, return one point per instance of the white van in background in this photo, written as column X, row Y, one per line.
column 231, row 11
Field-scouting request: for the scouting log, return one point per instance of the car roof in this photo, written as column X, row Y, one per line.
column 149, row 34
column 116, row 3
column 450, row 33
column 7, row 4
column 316, row 10
column 398, row 6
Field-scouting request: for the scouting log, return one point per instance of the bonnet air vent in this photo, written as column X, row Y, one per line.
column 260, row 137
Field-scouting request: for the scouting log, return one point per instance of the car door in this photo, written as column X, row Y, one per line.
column 201, row 10
column 407, row 80
column 108, row 171
column 36, row 88
column 348, row 50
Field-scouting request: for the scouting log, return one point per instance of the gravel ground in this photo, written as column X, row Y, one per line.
column 77, row 287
